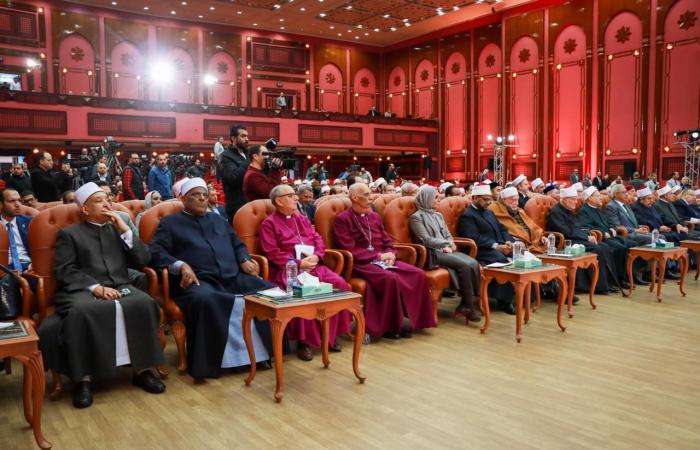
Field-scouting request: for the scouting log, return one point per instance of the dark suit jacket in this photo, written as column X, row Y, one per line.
column 618, row 218
column 309, row 210
column 669, row 215
column 647, row 216
column 233, row 167
column 567, row 223
column 594, row 219
column 19, row 184
column 44, row 186
column 485, row 230
column 686, row 211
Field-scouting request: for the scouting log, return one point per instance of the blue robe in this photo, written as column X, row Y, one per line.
column 210, row 247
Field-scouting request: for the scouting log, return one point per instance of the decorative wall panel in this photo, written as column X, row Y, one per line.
column 76, row 62
column 220, row 79
column 257, row 131
column 278, row 56
column 424, row 81
column 330, row 83
column 32, row 121
column 365, row 87
column 489, row 93
column 397, row 92
column 524, row 98
column 128, row 74
column 135, row 126
column 400, row 138
column 320, row 134
column 455, row 101
column 18, row 26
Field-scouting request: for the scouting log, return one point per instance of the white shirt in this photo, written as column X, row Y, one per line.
column 21, row 251
column 218, row 150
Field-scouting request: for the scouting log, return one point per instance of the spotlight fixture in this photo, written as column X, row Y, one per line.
column 210, row 80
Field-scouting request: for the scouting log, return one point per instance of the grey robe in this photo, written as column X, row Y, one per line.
column 84, row 343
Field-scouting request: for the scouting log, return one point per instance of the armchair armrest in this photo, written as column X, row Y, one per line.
column 598, row 235
column 690, row 225
column 622, row 231
column 263, row 265
column 27, row 297
column 42, row 294
column 152, row 279
column 421, row 253
column 467, row 244
column 348, row 263
column 334, row 260
column 406, row 253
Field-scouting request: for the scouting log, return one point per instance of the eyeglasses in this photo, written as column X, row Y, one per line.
column 198, row 195
column 293, row 194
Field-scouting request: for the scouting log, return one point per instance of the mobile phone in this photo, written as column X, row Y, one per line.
column 125, row 291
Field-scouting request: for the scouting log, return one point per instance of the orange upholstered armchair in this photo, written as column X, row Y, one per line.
column 451, row 208
column 43, row 231
column 396, row 222
column 43, row 206
column 537, row 207
column 381, row 202
column 27, row 296
column 28, row 211
column 134, row 206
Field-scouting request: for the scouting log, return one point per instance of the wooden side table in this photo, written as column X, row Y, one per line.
column 693, row 246
column 26, row 350
column 658, row 256
column 521, row 279
column 572, row 264
column 279, row 314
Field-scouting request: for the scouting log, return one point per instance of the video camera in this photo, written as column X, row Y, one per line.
column 108, row 148
column 286, row 155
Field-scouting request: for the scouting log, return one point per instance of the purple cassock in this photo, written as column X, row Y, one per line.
column 390, row 292
column 279, row 235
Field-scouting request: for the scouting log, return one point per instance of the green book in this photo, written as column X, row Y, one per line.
column 11, row 330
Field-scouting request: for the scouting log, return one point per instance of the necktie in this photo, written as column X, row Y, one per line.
column 13, row 248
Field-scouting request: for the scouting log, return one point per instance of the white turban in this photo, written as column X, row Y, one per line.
column 481, row 189
column 537, row 182
column 644, row 192
column 519, row 179
column 675, row 189
column 509, row 192
column 85, row 191
column 590, row 190
column 444, row 186
column 190, row 184
column 177, row 187
column 664, row 190
column 578, row 187
column 568, row 192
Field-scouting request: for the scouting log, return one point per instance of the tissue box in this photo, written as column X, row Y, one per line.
column 576, row 250
column 664, row 245
column 527, row 263
column 306, row 291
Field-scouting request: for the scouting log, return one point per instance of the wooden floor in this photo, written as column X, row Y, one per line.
column 624, row 376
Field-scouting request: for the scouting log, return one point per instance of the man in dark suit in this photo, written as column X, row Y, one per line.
column 647, row 215
column 574, row 178
column 18, row 180
column 669, row 214
column 598, row 181
column 620, row 215
column 214, row 206
column 17, row 227
column 43, row 182
column 593, row 217
column 492, row 239
column 306, row 202
column 563, row 219
column 686, row 207
column 233, row 165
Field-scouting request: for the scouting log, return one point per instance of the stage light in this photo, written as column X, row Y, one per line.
column 210, row 80
column 161, row 72
column 635, row 150
column 511, row 137
column 489, row 137
column 499, row 139
column 667, row 148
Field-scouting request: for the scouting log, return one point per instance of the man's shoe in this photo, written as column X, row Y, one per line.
column 613, row 289
column 264, row 365
column 148, row 382
column 624, row 284
column 82, row 394
column 575, row 300
column 640, row 281
column 509, row 308
column 304, row 352
column 672, row 275
column 391, row 335
column 337, row 348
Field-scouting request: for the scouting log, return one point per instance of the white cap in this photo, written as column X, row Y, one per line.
column 568, row 192
column 85, row 191
column 675, row 189
column 297, row 182
column 697, row 192
column 191, row 183
column 509, row 192
column 487, row 181
column 324, row 182
column 519, row 179
column 590, row 190
column 443, row 187
column 664, row 190
column 306, row 182
column 643, row 192
column 578, row 187
column 379, row 181
column 325, row 188
column 177, row 187
column 536, row 182
column 481, row 189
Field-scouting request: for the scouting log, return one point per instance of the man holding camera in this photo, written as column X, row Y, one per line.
column 262, row 175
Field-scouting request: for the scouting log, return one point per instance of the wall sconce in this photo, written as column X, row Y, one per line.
column 580, row 154
column 449, row 152
column 558, row 155
column 636, row 53
column 534, row 155
column 534, row 71
column 610, row 57
column 608, row 152
column 667, row 148
column 635, row 150
column 669, row 46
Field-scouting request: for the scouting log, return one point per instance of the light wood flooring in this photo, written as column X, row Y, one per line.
column 625, row 376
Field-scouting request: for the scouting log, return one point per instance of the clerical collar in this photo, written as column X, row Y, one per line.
column 594, row 207
column 97, row 224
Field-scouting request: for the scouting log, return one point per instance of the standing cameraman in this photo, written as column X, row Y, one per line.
column 43, row 182
column 233, row 165
column 262, row 175
column 64, row 178
column 133, row 179
column 196, row 171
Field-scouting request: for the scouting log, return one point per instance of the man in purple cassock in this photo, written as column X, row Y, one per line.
column 286, row 235
column 394, row 289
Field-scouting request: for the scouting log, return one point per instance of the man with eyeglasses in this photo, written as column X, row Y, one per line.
column 262, row 174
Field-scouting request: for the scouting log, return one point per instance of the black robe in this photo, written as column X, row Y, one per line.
column 211, row 248
column 80, row 339
column 567, row 223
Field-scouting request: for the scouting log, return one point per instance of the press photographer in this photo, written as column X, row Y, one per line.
column 264, row 172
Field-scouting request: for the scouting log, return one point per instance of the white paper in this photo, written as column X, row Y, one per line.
column 303, row 250
column 5, row 325
column 306, row 279
column 274, row 293
column 497, row 265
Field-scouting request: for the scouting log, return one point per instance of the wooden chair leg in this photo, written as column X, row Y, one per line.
column 56, row 385
column 8, row 365
column 179, row 333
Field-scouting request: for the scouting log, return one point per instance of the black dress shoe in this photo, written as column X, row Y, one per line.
column 575, row 300
column 148, row 382
column 672, row 275
column 613, row 289
column 337, row 348
column 82, row 394
column 304, row 352
column 624, row 284
column 640, row 282
column 391, row 335
column 264, row 365
column 509, row 308
column 406, row 333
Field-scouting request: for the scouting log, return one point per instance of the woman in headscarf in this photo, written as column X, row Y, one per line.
column 152, row 199
column 430, row 228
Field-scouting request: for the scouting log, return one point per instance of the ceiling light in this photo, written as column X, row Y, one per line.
column 302, row 9
column 340, row 34
column 255, row 24
column 392, row 29
column 281, row 28
column 366, row 34
column 408, row 24
column 200, row 17
column 349, row 7
column 276, row 6
column 455, row 8
column 332, row 27
column 173, row 12
column 211, row 8
column 357, row 37
column 239, row 12
column 405, row 20
column 359, row 26
column 114, row 3
column 146, row 8
column 322, row 15
column 281, row 20
column 183, row 3
column 376, row 30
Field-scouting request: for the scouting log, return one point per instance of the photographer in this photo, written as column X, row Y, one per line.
column 391, row 173
column 43, row 182
column 233, row 165
column 64, row 178
column 262, row 175
column 196, row 171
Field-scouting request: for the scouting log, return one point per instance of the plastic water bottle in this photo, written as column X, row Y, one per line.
column 517, row 250
column 291, row 271
column 551, row 244
column 654, row 236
